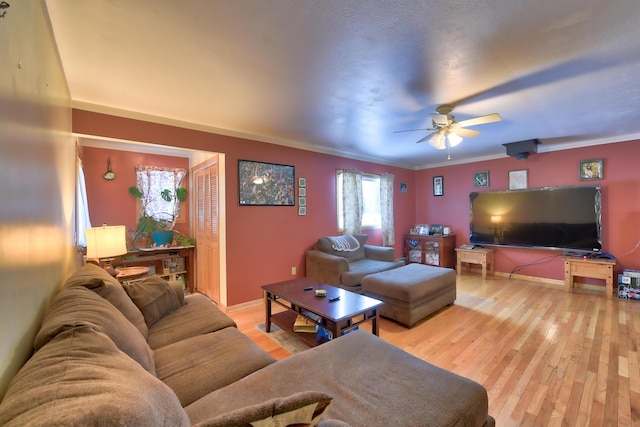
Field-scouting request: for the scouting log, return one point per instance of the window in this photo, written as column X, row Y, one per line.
column 159, row 187
column 371, row 217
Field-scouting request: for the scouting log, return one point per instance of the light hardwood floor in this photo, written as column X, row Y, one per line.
column 546, row 357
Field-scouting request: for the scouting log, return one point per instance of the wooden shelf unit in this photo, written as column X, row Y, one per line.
column 437, row 250
column 179, row 261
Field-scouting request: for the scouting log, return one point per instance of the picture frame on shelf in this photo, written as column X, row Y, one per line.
column 438, row 185
column 265, row 184
column 518, row 180
column 481, row 179
column 591, row 169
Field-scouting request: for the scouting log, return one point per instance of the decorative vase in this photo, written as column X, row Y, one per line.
column 162, row 238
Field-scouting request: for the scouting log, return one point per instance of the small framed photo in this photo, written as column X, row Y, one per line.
column 518, row 180
column 302, row 201
column 302, row 210
column 591, row 169
column 438, row 185
column 481, row 179
column 413, row 231
column 403, row 187
column 302, row 182
column 302, row 192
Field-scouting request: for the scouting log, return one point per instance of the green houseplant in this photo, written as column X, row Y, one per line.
column 161, row 229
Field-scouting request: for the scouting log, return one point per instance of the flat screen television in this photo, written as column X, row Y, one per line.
column 561, row 218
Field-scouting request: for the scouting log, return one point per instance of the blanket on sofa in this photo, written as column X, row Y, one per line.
column 344, row 243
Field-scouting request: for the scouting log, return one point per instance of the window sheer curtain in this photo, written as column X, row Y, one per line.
column 352, row 201
column 83, row 221
column 152, row 180
column 386, row 209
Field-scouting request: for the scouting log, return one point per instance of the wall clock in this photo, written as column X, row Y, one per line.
column 109, row 175
column 481, row 179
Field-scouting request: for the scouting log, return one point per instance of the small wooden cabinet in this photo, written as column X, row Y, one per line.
column 438, row 250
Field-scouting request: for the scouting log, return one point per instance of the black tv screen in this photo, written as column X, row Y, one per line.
column 566, row 218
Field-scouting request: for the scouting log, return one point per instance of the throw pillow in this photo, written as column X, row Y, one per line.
column 154, row 297
column 98, row 280
column 300, row 409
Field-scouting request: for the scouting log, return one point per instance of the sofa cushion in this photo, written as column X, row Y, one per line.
column 299, row 409
column 78, row 306
column 90, row 275
column 324, row 244
column 358, row 270
column 198, row 316
column 199, row 365
column 154, row 297
column 81, row 378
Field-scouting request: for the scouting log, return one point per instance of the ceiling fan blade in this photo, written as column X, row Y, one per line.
column 489, row 118
column 412, row 130
column 465, row 133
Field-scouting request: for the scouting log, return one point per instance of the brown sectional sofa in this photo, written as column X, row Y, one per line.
column 346, row 269
column 146, row 355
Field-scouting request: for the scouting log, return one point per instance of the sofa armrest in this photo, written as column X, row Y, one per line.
column 380, row 253
column 325, row 268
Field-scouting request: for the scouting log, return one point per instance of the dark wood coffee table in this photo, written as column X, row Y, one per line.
column 337, row 317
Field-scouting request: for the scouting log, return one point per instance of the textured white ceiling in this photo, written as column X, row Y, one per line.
column 342, row 76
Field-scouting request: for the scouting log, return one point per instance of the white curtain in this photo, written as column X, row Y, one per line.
column 386, row 209
column 83, row 221
column 352, row 201
column 152, row 180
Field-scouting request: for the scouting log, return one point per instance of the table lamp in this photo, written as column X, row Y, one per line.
column 106, row 242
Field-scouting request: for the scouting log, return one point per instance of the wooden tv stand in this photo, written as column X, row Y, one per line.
column 594, row 268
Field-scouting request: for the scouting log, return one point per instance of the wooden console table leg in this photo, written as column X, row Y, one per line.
column 484, row 270
column 459, row 269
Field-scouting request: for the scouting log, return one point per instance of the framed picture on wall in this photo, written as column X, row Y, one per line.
column 438, row 185
column 518, row 180
column 591, row 169
column 481, row 179
column 265, row 184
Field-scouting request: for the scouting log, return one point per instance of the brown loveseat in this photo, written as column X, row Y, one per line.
column 346, row 266
column 146, row 355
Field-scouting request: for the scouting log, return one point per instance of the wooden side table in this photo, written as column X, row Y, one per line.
column 482, row 256
column 598, row 268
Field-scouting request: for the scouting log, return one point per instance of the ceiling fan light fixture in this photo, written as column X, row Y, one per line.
column 453, row 139
column 438, row 141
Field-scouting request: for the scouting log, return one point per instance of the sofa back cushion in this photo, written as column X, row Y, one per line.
column 325, row 244
column 81, row 378
column 155, row 298
column 78, row 306
column 102, row 283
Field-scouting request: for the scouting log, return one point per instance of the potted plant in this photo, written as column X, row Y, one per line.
column 161, row 229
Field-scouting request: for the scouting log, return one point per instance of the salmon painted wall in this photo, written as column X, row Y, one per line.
column 263, row 243
column 620, row 201
column 109, row 201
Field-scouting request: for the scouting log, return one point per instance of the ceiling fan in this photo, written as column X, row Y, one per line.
column 449, row 132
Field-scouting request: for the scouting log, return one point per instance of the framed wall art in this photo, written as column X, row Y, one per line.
column 481, row 179
column 265, row 184
column 518, row 180
column 591, row 169
column 438, row 186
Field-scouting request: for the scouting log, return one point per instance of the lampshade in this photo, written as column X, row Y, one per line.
column 106, row 241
